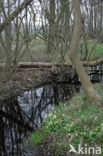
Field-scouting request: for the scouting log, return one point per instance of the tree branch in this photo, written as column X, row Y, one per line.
column 14, row 14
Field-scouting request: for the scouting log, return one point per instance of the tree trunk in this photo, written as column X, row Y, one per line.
column 51, row 35
column 85, row 40
column 51, row 27
column 91, row 19
column 95, row 19
column 86, row 84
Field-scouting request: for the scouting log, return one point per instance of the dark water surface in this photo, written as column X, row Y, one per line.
column 20, row 115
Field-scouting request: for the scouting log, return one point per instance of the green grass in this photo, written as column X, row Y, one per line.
column 73, row 123
column 38, row 137
column 97, row 52
column 37, row 52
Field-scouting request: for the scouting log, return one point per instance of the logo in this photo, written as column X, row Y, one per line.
column 85, row 150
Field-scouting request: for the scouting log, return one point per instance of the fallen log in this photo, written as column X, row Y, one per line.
column 34, row 65
column 51, row 65
column 92, row 63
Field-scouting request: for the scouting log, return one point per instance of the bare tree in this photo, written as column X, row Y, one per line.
column 86, row 84
column 14, row 14
column 13, row 42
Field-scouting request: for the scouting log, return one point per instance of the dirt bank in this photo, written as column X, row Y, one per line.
column 25, row 78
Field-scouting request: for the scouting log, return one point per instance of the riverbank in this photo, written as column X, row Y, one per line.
column 24, row 79
column 74, row 122
column 30, row 78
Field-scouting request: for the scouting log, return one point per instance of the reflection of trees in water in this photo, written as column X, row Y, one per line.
column 96, row 73
column 12, row 127
column 20, row 115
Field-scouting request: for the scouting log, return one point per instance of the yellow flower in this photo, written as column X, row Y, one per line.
column 102, row 124
column 91, row 133
column 54, row 116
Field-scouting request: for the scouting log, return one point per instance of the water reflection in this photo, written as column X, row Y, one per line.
column 96, row 73
column 21, row 115
column 69, row 75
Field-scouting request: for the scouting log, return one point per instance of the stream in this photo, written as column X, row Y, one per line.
column 21, row 115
